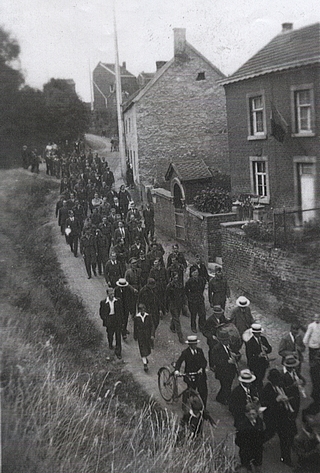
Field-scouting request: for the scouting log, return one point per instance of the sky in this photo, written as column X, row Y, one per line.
column 66, row 39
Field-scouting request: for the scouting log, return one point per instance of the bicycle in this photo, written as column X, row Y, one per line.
column 168, row 387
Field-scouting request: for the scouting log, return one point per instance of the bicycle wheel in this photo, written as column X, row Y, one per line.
column 166, row 383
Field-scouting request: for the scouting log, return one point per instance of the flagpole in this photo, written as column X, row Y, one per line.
column 119, row 100
column 91, row 87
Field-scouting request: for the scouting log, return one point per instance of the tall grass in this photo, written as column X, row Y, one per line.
column 64, row 408
column 56, row 424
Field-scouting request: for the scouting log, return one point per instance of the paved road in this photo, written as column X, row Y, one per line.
column 167, row 347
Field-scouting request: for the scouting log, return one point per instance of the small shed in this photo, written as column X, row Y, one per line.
column 187, row 178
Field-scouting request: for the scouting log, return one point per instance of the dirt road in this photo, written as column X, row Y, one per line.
column 167, row 347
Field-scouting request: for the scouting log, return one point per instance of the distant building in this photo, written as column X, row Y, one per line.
column 179, row 114
column 273, row 107
column 104, row 93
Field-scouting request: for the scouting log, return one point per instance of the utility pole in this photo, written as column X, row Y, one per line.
column 119, row 101
column 91, row 88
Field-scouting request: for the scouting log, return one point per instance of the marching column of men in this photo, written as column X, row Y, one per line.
column 118, row 241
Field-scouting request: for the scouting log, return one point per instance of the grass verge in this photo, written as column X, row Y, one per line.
column 64, row 409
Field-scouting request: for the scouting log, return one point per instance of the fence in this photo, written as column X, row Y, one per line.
column 293, row 227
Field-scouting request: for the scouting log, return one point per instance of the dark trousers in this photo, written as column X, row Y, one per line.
column 125, row 319
column 90, row 264
column 114, row 332
column 199, row 385
column 286, row 435
column 226, row 381
column 101, row 262
column 73, row 241
column 197, row 309
column 175, row 320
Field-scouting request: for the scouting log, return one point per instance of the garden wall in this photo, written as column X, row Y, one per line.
column 202, row 230
column 286, row 284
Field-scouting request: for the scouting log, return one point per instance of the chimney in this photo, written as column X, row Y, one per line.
column 179, row 41
column 286, row 27
column 124, row 65
column 160, row 64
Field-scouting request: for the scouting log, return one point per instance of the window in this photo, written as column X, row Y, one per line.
column 201, row 76
column 257, row 127
column 302, row 110
column 260, row 178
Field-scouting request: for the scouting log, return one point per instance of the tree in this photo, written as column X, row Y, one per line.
column 67, row 115
column 30, row 116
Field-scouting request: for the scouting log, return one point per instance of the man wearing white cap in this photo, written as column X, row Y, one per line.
column 241, row 315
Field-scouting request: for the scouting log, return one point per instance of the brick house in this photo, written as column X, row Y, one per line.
column 273, row 109
column 104, row 93
column 180, row 114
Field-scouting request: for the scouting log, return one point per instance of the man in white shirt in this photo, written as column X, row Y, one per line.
column 312, row 338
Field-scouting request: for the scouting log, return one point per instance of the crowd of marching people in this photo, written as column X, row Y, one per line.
column 117, row 241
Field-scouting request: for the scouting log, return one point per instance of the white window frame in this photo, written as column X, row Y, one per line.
column 295, row 111
column 253, row 134
column 253, row 178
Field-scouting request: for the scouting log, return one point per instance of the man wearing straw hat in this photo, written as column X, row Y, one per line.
column 257, row 350
column 241, row 315
column 243, row 394
column 195, row 365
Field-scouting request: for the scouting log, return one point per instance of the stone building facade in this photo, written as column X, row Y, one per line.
column 180, row 114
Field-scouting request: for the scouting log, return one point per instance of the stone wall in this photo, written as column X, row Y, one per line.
column 202, row 230
column 164, row 211
column 286, row 284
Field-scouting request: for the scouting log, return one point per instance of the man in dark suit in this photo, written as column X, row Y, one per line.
column 74, row 226
column 111, row 315
column 88, row 248
column 148, row 217
column 63, row 214
column 201, row 267
column 121, row 232
column 112, row 270
column 224, row 363
column 257, row 350
column 127, row 297
column 246, row 392
column 218, row 289
column 195, row 365
column 292, row 344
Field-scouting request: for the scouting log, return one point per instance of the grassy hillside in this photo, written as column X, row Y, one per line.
column 65, row 408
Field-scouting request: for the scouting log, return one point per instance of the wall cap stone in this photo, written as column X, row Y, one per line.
column 162, row 192
column 191, row 208
column 235, row 224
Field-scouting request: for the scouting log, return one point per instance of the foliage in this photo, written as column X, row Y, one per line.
column 26, row 116
column 221, row 181
column 258, row 230
column 215, row 200
column 66, row 115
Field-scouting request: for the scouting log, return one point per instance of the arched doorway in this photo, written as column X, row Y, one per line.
column 178, row 202
column 177, row 197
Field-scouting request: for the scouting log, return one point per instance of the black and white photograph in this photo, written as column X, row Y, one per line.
column 160, row 236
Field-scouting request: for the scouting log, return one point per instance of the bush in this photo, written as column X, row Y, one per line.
column 215, row 201
column 258, row 230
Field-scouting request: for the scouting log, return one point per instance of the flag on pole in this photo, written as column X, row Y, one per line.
column 279, row 127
